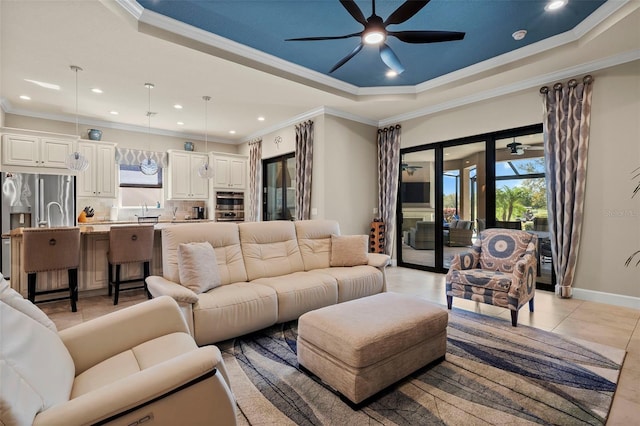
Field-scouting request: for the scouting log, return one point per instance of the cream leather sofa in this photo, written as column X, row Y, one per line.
column 270, row 272
column 132, row 366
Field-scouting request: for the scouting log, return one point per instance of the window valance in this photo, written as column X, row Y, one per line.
column 133, row 157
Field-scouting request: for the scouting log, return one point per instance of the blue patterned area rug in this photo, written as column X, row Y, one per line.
column 493, row 374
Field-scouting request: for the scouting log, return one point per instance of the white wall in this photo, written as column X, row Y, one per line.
column 344, row 183
column 611, row 230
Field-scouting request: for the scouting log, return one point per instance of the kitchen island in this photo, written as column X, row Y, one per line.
column 93, row 269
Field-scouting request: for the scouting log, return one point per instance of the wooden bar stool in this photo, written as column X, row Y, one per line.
column 129, row 244
column 51, row 249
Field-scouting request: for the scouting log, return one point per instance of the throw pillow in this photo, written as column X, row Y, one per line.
column 16, row 301
column 198, row 267
column 349, row 250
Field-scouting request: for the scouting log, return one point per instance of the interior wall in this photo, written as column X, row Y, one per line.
column 124, row 138
column 611, row 228
column 350, row 167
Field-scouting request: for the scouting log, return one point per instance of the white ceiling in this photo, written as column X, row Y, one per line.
column 41, row 39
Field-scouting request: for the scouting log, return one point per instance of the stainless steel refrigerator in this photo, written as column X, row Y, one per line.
column 34, row 200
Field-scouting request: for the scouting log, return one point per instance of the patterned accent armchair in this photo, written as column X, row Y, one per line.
column 499, row 270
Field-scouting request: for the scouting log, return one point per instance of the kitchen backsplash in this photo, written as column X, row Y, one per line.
column 102, row 209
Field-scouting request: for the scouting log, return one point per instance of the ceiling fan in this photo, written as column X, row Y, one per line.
column 375, row 32
column 410, row 169
column 516, row 148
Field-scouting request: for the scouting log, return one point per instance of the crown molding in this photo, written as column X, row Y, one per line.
column 323, row 110
column 242, row 54
column 541, row 80
column 6, row 106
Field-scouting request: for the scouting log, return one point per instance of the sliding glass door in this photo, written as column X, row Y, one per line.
column 279, row 190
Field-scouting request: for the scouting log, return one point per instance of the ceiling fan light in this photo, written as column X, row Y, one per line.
column 374, row 36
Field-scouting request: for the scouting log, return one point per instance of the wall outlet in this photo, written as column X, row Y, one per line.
column 375, row 210
column 314, row 211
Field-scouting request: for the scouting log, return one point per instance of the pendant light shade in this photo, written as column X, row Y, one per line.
column 148, row 166
column 76, row 161
column 205, row 170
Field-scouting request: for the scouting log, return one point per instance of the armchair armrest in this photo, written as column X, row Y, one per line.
column 465, row 260
column 189, row 377
column 524, row 272
column 378, row 260
column 159, row 286
column 94, row 341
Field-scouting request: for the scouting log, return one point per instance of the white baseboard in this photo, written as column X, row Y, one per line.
column 608, row 298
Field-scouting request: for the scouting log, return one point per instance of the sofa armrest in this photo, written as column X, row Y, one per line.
column 94, row 341
column 191, row 376
column 159, row 286
column 378, row 260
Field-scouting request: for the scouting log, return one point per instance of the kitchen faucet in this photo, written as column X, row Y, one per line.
column 53, row 203
column 145, row 209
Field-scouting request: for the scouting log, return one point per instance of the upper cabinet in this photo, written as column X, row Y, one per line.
column 99, row 180
column 184, row 181
column 230, row 171
column 35, row 151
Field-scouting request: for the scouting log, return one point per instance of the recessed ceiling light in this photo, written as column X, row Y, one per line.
column 555, row 5
column 519, row 35
column 25, row 97
column 391, row 74
column 177, row 106
column 260, row 118
column 113, row 112
column 43, row 84
column 233, row 132
column 96, row 90
column 180, row 123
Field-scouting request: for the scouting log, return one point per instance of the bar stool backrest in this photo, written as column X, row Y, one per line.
column 130, row 243
column 50, row 249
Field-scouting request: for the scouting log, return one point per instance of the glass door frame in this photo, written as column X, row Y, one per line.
column 490, row 193
column 282, row 159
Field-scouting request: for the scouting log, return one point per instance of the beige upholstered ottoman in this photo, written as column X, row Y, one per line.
column 362, row 346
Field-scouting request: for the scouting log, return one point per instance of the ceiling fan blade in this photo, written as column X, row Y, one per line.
column 426, row 36
column 346, row 58
column 390, row 59
column 405, row 11
column 354, row 11
column 325, row 38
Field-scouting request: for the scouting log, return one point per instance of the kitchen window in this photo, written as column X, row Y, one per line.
column 137, row 189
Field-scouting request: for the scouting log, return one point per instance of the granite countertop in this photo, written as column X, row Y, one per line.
column 103, row 227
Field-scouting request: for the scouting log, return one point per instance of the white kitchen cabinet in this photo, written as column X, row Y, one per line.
column 99, row 180
column 35, row 151
column 230, row 171
column 184, row 181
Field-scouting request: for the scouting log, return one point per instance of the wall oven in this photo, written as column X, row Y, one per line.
column 229, row 206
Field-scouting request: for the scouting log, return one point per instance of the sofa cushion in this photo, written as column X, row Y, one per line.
column 36, row 370
column 224, row 239
column 270, row 249
column 314, row 240
column 198, row 267
column 502, row 248
column 349, row 250
column 355, row 281
column 16, row 301
column 233, row 310
column 130, row 362
column 301, row 292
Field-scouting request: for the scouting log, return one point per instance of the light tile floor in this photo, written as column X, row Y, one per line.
column 606, row 324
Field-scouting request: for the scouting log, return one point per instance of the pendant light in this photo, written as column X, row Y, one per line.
column 76, row 161
column 148, row 166
column 205, row 171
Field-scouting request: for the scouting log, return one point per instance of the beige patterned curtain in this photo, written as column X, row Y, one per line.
column 132, row 157
column 567, row 115
column 304, row 167
column 255, row 178
column 388, row 163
